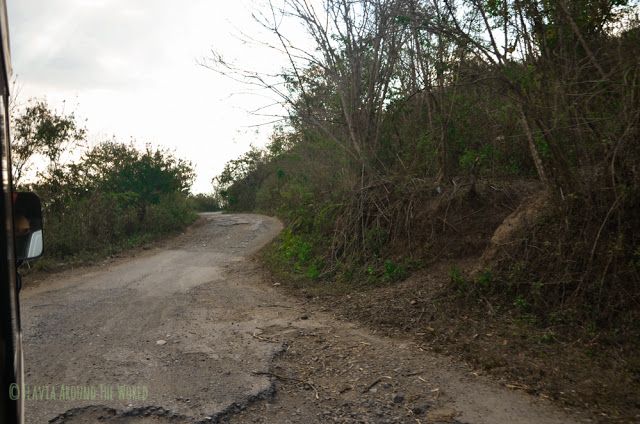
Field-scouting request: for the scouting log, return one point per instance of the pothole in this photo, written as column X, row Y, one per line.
column 102, row 414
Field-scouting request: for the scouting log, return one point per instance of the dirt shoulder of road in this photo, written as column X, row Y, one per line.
column 342, row 372
column 556, row 364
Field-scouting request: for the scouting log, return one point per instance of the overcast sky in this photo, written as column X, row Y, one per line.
column 130, row 68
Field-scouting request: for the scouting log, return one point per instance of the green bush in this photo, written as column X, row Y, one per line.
column 457, row 279
column 115, row 197
column 204, row 202
column 394, row 272
column 172, row 212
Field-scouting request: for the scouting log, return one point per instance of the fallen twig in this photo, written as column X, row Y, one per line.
column 372, row 385
column 283, row 378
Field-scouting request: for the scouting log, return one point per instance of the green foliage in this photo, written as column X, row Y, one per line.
column 96, row 205
column 295, row 253
column 239, row 181
column 204, row 202
column 522, row 304
column 393, row 271
column 548, row 337
column 39, row 132
column 485, row 280
column 104, row 224
column 314, row 271
column 295, row 248
column 172, row 212
column 120, row 168
column 113, row 197
column 457, row 279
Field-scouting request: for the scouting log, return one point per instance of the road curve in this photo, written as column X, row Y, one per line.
column 189, row 332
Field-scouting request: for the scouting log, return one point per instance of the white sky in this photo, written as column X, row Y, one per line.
column 130, row 68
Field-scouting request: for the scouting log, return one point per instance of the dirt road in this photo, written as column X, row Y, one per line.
column 190, row 332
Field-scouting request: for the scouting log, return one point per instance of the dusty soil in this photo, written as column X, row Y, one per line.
column 191, row 332
column 339, row 372
column 558, row 362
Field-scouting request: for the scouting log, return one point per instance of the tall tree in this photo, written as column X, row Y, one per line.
column 40, row 131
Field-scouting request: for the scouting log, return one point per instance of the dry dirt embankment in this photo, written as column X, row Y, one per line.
column 466, row 304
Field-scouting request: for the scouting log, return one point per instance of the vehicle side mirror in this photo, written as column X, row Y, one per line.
column 28, row 226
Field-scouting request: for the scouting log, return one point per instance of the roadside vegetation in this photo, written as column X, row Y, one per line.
column 204, row 203
column 101, row 199
column 487, row 149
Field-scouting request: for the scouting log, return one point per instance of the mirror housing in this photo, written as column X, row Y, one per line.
column 27, row 221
